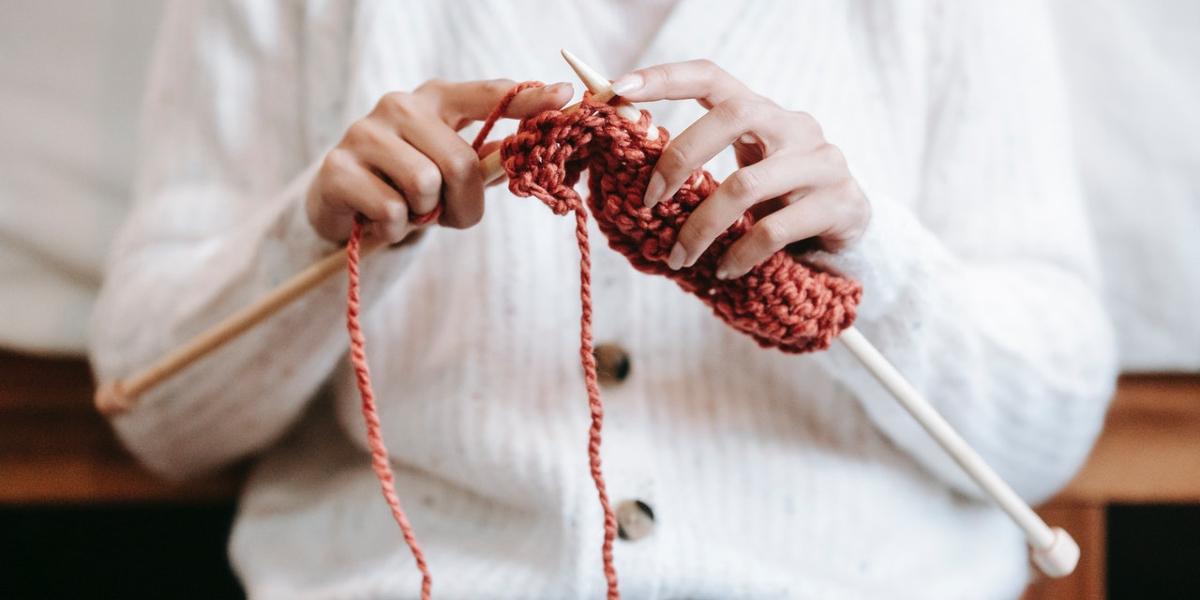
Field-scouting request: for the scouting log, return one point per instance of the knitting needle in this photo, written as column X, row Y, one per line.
column 1053, row 549
column 119, row 396
column 601, row 89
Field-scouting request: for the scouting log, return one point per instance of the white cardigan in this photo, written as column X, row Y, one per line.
column 769, row 475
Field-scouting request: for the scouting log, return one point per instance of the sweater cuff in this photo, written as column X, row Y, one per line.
column 292, row 242
column 893, row 253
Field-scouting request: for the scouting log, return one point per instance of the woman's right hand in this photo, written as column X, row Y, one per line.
column 406, row 156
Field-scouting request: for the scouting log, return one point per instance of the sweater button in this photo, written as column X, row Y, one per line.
column 612, row 363
column 635, row 520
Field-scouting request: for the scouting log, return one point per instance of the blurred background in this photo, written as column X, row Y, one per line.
column 76, row 513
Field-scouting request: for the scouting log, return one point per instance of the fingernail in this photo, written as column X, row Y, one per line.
column 747, row 139
column 627, row 83
column 554, row 89
column 722, row 272
column 654, row 189
column 677, row 255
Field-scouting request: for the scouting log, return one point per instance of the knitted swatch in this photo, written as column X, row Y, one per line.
column 781, row 303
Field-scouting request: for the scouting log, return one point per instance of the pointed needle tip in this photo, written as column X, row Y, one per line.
column 596, row 83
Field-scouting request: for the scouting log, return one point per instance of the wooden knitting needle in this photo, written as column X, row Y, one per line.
column 119, row 396
column 601, row 89
column 1053, row 549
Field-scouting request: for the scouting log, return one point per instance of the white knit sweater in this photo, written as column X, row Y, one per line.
column 769, row 475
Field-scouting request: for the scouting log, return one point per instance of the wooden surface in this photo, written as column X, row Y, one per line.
column 1150, row 449
column 55, row 448
column 1149, row 453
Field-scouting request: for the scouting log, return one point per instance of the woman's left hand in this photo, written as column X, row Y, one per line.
column 796, row 184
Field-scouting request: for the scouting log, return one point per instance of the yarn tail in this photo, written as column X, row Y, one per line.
column 380, row 459
column 587, row 359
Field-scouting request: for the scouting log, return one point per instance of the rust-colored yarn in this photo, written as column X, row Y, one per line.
column 781, row 303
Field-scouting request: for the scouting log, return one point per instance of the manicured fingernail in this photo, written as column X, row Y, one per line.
column 677, row 255
column 627, row 83
column 556, row 88
column 654, row 189
column 748, row 139
column 722, row 272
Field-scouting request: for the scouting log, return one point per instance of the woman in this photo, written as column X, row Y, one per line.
column 737, row 472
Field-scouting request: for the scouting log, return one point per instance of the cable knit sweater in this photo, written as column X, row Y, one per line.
column 769, row 475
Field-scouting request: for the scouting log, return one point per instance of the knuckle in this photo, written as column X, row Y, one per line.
column 831, row 156
column 498, row 87
column 739, row 256
column 460, row 163
column 660, row 75
column 396, row 103
column 359, row 133
column 337, row 161
column 744, row 185
column 739, row 111
column 673, row 159
column 847, row 188
column 707, row 66
column 395, row 231
column 425, row 180
column 772, row 233
column 807, row 123
column 436, row 84
column 692, row 233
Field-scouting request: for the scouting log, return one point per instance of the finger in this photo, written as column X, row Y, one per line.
column 809, row 217
column 703, row 140
column 535, row 100
column 462, row 174
column 698, row 79
column 461, row 103
column 489, row 147
column 406, row 168
column 389, row 232
column 353, row 189
column 747, row 187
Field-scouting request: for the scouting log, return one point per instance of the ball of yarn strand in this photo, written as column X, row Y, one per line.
column 781, row 303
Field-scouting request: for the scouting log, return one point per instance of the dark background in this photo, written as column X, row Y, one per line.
column 116, row 551
column 178, row 551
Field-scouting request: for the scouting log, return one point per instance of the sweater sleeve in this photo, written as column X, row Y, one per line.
column 217, row 221
column 986, row 295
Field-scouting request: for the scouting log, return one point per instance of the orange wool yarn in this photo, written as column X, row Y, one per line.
column 781, row 303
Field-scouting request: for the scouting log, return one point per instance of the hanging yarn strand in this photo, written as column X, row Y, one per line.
column 380, row 459
column 587, row 359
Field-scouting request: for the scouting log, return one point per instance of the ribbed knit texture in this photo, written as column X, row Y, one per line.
column 770, row 475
